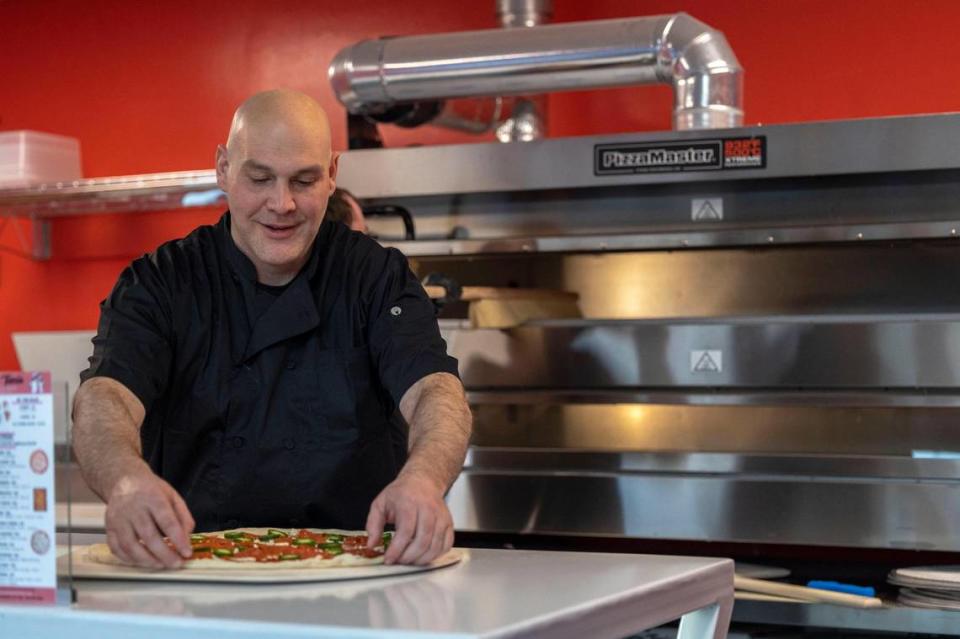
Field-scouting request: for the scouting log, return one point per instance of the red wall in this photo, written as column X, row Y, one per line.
column 150, row 87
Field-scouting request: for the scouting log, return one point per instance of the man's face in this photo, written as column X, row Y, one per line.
column 278, row 179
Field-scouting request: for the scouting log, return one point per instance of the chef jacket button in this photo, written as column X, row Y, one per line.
column 288, row 443
column 290, row 364
column 294, row 523
column 396, row 310
column 238, row 442
column 232, row 523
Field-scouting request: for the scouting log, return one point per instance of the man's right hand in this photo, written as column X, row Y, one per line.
column 141, row 510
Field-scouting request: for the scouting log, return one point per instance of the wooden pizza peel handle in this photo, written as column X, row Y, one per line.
column 807, row 594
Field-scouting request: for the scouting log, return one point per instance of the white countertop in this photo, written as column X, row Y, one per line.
column 495, row 593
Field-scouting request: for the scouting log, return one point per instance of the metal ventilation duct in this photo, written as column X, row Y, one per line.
column 528, row 117
column 373, row 75
column 512, row 119
column 524, row 13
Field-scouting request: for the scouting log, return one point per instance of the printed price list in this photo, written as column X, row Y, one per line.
column 28, row 572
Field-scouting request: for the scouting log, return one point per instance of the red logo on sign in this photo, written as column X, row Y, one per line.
column 742, row 148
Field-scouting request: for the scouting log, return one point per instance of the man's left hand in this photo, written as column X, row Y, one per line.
column 424, row 527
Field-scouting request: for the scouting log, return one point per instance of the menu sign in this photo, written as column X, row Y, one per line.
column 28, row 569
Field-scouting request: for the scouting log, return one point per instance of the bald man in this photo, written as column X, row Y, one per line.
column 274, row 369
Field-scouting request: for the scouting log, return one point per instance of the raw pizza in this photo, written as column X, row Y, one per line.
column 271, row 548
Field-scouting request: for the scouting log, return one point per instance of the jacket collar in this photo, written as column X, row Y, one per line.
column 293, row 313
column 242, row 266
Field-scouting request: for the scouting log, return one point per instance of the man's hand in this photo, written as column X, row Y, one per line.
column 141, row 510
column 439, row 418
column 424, row 527
column 141, row 507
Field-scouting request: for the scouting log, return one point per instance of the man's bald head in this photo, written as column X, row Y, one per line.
column 280, row 113
column 278, row 171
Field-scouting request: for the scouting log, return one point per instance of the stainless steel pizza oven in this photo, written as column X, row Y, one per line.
column 769, row 352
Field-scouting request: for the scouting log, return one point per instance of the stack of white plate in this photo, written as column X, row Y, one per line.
column 928, row 586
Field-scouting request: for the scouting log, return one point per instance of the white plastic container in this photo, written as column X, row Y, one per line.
column 30, row 157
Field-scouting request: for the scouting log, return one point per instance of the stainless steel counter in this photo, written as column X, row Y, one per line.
column 495, row 593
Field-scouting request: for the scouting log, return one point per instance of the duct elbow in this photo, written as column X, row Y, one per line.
column 707, row 77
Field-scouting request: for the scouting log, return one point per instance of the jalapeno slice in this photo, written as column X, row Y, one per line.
column 304, row 541
column 234, row 535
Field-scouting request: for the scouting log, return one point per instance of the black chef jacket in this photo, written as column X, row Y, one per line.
column 277, row 412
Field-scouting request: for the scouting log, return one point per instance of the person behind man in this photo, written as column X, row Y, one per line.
column 344, row 208
column 253, row 373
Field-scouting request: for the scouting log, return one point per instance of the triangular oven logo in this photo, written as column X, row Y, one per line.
column 707, row 361
column 708, row 210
